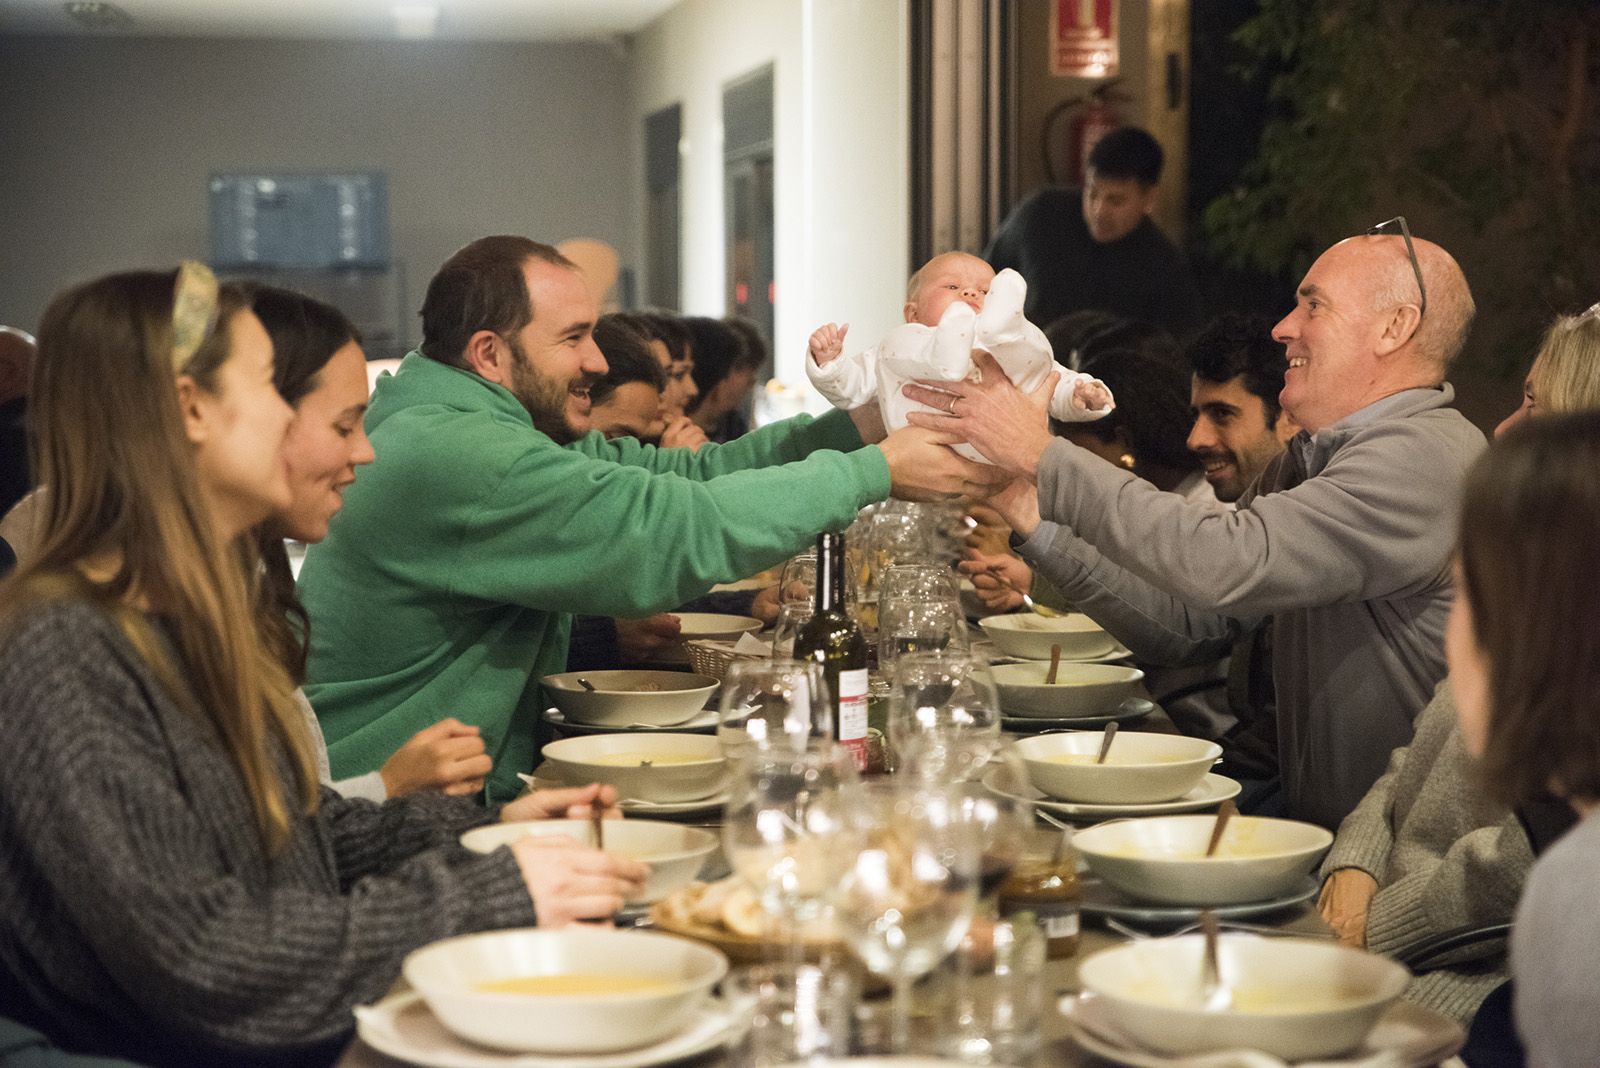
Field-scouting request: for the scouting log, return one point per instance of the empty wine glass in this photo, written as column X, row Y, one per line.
column 792, row 616
column 787, row 826
column 908, row 887
column 987, row 794
column 918, row 625
column 772, row 704
column 798, row 580
column 945, row 707
column 918, row 582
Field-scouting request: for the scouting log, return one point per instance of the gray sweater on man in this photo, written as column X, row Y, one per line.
column 140, row 914
column 1344, row 542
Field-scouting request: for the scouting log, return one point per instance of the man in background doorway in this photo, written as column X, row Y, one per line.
column 1097, row 248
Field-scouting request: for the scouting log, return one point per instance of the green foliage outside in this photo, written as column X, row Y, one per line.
column 1479, row 120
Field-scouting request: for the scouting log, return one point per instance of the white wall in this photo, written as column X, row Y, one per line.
column 840, row 154
column 107, row 144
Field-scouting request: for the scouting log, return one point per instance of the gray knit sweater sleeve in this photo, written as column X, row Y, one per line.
column 1353, row 533
column 138, row 908
column 1156, row 626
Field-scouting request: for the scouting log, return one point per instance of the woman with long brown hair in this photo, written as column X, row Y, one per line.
column 175, row 887
column 1524, row 650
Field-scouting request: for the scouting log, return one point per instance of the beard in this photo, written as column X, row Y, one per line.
column 543, row 397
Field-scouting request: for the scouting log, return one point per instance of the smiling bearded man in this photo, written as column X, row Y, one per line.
column 1343, row 543
column 447, row 584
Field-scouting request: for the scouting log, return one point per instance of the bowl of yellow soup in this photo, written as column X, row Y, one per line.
column 660, row 767
column 674, row 853
column 1079, row 689
column 577, row 990
column 1030, row 635
column 627, row 698
column 1141, row 768
column 1162, row 858
column 1297, row 999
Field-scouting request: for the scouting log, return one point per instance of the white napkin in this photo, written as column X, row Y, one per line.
column 753, row 647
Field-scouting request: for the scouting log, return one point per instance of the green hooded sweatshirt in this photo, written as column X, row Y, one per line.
column 446, row 584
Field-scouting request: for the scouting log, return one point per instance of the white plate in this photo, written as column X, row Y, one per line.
column 1100, row 899
column 402, row 1026
column 1406, row 1036
column 1213, row 790
column 1128, row 711
column 704, row 723
column 635, row 806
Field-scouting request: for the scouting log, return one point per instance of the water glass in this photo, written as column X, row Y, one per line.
column 787, row 827
column 908, row 889
column 795, row 1013
column 992, row 999
column 944, row 708
column 768, row 705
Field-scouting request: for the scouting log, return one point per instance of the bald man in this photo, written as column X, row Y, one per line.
column 1344, row 542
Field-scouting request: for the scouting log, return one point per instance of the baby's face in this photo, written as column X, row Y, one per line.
column 945, row 280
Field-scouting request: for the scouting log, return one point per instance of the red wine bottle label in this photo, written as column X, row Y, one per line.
column 853, row 714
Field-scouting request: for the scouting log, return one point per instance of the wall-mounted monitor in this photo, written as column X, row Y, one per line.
column 300, row 220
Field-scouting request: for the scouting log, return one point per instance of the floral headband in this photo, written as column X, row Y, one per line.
column 194, row 311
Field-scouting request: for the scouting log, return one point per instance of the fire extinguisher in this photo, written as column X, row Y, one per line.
column 1093, row 117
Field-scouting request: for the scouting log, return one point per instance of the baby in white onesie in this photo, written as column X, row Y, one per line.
column 954, row 304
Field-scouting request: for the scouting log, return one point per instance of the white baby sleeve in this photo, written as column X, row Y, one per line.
column 1065, row 408
column 847, row 381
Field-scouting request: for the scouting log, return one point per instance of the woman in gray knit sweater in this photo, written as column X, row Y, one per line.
column 175, row 885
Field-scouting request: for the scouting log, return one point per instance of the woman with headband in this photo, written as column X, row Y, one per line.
column 175, row 886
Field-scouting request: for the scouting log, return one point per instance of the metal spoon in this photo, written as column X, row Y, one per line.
column 1226, row 812
column 1214, row 996
column 586, row 684
column 1027, row 602
column 1105, row 743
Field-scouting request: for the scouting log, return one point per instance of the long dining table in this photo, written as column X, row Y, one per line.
column 1060, row 976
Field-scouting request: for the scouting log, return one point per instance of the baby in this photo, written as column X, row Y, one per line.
column 954, row 304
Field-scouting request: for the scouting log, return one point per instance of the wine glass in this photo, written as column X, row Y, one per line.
column 787, row 824
column 798, row 580
column 792, row 616
column 907, row 890
column 988, row 794
column 918, row 625
column 945, row 707
column 769, row 705
column 918, row 582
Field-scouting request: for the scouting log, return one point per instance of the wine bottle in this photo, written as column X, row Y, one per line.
column 833, row 639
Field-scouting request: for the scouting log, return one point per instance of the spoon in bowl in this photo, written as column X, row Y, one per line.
column 1105, row 744
column 1214, row 996
column 1225, row 812
column 1055, row 664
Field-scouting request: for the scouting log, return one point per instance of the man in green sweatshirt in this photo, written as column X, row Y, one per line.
column 447, row 583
